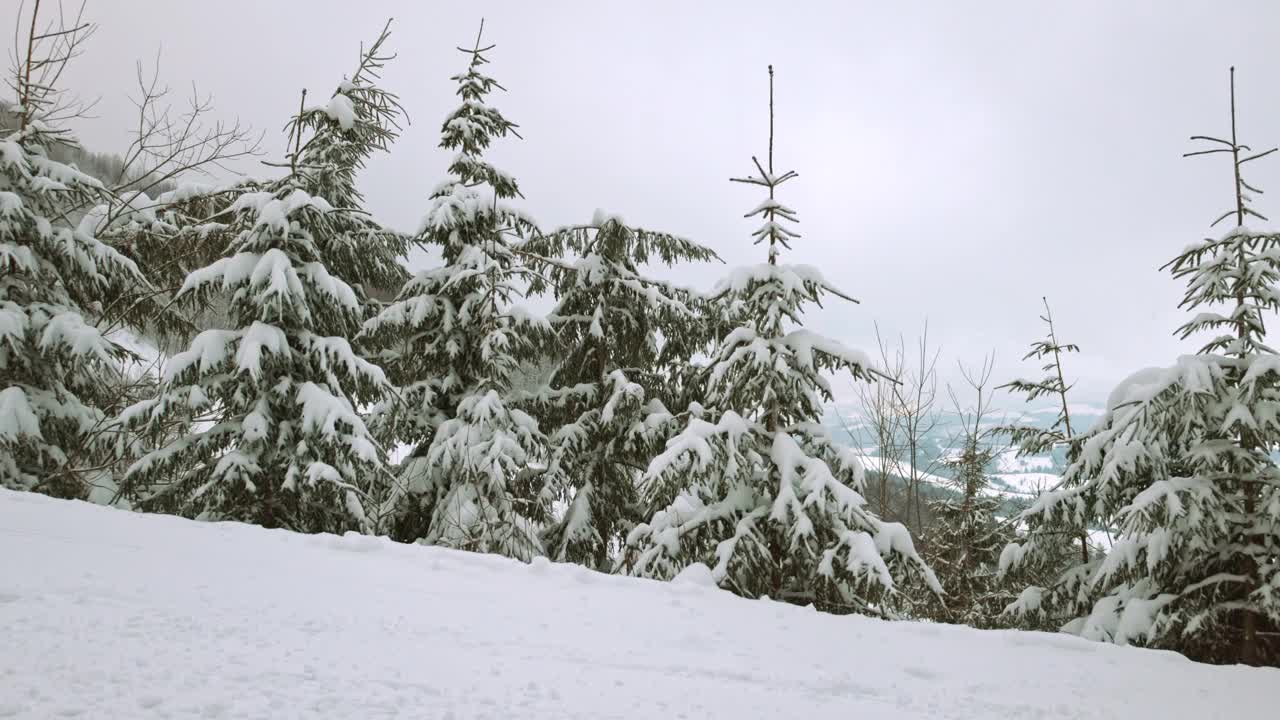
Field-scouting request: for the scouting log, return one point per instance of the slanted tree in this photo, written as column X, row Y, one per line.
column 966, row 536
column 57, row 282
column 284, row 443
column 1034, row 440
column 761, row 492
column 457, row 337
column 1182, row 465
column 619, row 334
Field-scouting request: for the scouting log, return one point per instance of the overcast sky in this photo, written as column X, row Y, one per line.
column 956, row 163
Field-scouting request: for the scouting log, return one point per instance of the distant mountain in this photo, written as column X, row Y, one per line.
column 1010, row 474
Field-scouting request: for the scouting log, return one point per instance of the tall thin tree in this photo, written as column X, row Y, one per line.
column 1033, row 439
column 762, row 493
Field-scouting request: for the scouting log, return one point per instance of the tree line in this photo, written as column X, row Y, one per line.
column 639, row 427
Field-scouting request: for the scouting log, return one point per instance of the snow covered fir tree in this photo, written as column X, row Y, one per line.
column 57, row 281
column 274, row 349
column 621, row 338
column 966, row 538
column 280, row 440
column 1182, row 466
column 754, row 486
column 455, row 336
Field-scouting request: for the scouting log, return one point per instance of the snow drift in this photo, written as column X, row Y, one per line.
column 110, row 614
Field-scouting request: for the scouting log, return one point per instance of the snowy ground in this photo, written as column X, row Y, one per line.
column 107, row 614
column 1029, row 484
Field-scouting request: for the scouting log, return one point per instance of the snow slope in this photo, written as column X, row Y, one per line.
column 109, row 614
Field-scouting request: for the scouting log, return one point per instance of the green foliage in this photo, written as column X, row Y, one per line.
column 621, row 339
column 454, row 339
column 279, row 440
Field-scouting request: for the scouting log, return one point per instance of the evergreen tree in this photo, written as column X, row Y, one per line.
column 965, row 539
column 1181, row 464
column 763, row 494
column 618, row 335
column 459, row 337
column 1032, row 440
column 57, row 282
column 284, row 444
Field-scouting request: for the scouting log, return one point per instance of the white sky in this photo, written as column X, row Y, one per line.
column 956, row 163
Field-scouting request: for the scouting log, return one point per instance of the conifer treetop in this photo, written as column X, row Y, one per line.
column 359, row 118
column 1033, row 440
column 1240, row 268
column 471, row 127
column 771, row 211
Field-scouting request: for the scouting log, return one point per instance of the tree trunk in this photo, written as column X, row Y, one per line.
column 1249, row 638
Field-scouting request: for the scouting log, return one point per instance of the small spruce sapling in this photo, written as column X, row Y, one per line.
column 1033, row 440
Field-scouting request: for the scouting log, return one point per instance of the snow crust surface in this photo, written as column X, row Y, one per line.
column 110, row 614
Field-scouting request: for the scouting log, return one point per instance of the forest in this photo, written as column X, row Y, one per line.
column 176, row 339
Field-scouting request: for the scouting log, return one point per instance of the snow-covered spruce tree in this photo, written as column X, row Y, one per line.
column 966, row 535
column 171, row 236
column 284, row 444
column 455, row 336
column 762, row 493
column 1182, row 465
column 57, row 369
column 618, row 335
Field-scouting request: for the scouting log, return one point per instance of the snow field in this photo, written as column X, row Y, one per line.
column 111, row 614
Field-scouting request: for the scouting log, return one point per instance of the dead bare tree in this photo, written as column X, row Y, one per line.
column 916, row 400
column 900, row 417
column 878, row 416
column 37, row 65
column 974, row 415
column 169, row 143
